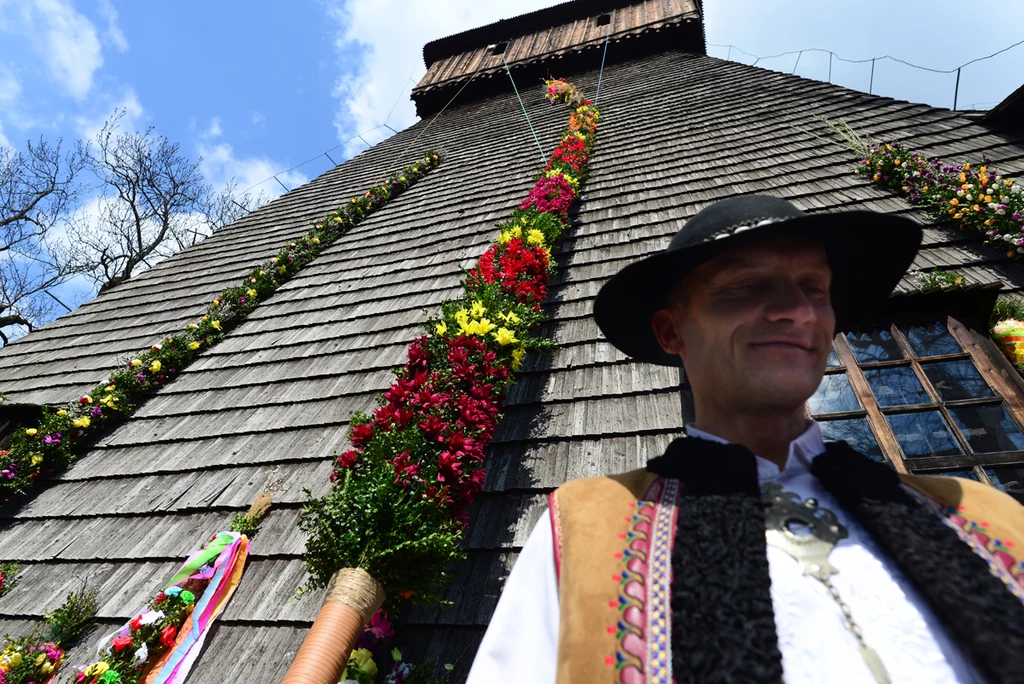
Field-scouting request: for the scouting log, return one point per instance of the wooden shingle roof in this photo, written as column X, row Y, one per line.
column 679, row 131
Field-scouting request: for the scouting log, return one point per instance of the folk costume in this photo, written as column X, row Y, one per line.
column 693, row 569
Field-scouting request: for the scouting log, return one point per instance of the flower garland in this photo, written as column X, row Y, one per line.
column 398, row 505
column 976, row 197
column 48, row 447
column 164, row 637
column 35, row 659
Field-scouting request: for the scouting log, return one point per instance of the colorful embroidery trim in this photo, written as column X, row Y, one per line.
column 994, row 551
column 642, row 633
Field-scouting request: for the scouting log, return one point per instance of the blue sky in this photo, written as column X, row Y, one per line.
column 258, row 87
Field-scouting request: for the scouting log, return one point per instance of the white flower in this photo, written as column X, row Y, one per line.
column 1001, row 212
column 1004, row 199
column 959, row 193
column 969, row 198
column 141, row 655
column 151, row 616
column 1007, row 238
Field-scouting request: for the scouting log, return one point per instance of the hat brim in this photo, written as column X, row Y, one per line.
column 867, row 251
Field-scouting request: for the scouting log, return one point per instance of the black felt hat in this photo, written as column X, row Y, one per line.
column 868, row 253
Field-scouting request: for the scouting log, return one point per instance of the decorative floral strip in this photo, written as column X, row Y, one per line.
column 399, row 500
column 35, row 658
column 48, row 447
column 1008, row 334
column 976, row 197
column 161, row 637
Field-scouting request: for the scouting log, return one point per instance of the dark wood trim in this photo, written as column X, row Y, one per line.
column 876, row 420
column 991, row 369
column 841, row 415
column 1001, row 458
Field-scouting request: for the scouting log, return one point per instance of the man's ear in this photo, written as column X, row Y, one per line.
column 664, row 325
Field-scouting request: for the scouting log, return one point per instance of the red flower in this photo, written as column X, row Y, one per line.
column 347, row 459
column 136, row 623
column 122, row 642
column 361, row 434
column 167, row 636
column 160, row 598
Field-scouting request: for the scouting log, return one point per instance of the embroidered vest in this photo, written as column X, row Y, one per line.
column 613, row 540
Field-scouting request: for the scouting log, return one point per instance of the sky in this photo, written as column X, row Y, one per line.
column 258, row 88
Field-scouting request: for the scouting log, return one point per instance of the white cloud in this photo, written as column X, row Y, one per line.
column 391, row 35
column 113, row 34
column 258, row 119
column 69, row 45
column 214, row 130
column 220, row 165
column 89, row 125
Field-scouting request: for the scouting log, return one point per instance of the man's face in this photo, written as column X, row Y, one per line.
column 754, row 325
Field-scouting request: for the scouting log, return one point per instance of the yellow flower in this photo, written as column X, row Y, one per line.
column 484, row 326
column 517, row 358
column 216, row 302
column 441, row 328
column 155, row 367
column 109, row 388
column 37, row 458
column 876, row 176
column 216, row 325
column 14, row 660
column 504, row 336
column 46, row 668
column 40, row 659
column 192, row 326
column 62, row 412
column 510, row 318
column 364, row 659
column 477, row 310
column 136, row 362
column 97, row 668
column 203, row 318
column 315, row 241
column 461, row 317
column 31, row 432
column 82, row 422
column 251, row 292
column 535, row 237
column 86, row 399
column 402, row 179
column 281, row 269
column 193, row 345
column 504, row 237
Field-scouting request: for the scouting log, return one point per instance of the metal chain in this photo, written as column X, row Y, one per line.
column 847, row 615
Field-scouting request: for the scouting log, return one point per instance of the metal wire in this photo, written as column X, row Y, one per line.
column 540, row 147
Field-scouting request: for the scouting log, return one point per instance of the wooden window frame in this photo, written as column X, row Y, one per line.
column 994, row 368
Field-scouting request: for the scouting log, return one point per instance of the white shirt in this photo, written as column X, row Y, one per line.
column 521, row 643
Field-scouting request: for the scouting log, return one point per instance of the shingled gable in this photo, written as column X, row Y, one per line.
column 679, row 130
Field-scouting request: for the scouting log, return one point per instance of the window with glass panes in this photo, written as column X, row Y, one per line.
column 926, row 398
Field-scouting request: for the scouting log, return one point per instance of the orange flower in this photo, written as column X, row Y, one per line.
column 958, row 215
column 954, row 201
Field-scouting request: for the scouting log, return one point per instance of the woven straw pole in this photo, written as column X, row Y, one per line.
column 353, row 596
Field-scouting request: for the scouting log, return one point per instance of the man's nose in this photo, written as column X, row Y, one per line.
column 789, row 301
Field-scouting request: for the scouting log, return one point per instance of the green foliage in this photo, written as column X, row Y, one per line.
column 939, row 279
column 1007, row 307
column 396, row 534
column 69, row 622
column 246, row 524
column 10, row 573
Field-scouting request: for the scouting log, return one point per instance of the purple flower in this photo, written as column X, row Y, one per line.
column 1016, row 216
column 97, row 411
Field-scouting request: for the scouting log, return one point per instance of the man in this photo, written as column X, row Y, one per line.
column 751, row 551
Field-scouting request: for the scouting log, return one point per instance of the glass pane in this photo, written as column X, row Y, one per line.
column 878, row 345
column 857, row 432
column 931, row 340
column 957, row 380
column 897, row 386
column 1010, row 479
column 967, row 474
column 834, row 395
column 833, row 360
column 988, row 428
column 923, row 433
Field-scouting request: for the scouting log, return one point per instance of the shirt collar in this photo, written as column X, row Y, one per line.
column 802, row 451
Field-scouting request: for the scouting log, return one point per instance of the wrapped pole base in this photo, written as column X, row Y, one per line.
column 353, row 596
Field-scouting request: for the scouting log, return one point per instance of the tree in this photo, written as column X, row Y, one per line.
column 38, row 186
column 154, row 202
